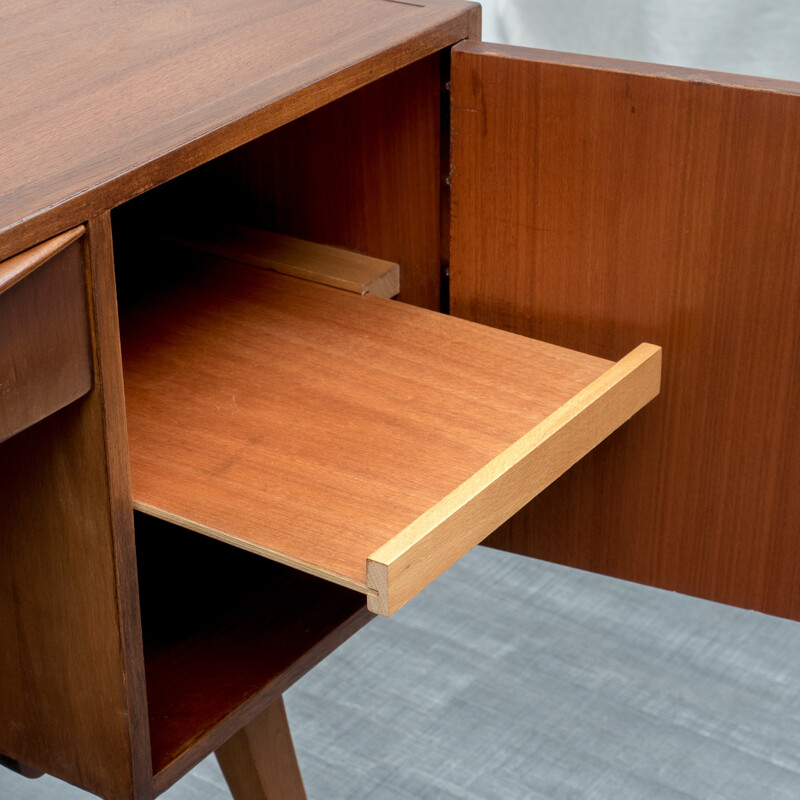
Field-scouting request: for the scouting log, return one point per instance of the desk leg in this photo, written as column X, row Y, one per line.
column 259, row 761
column 22, row 769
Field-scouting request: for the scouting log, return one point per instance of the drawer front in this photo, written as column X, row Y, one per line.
column 45, row 346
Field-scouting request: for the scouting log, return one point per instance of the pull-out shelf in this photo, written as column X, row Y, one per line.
column 359, row 439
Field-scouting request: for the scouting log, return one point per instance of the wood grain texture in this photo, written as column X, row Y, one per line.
column 319, row 263
column 362, row 173
column 225, row 638
column 437, row 539
column 108, row 366
column 259, row 762
column 45, row 349
column 596, row 204
column 72, row 690
column 15, row 269
column 312, row 425
column 106, row 101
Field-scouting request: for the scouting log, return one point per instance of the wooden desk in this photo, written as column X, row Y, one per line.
column 588, row 201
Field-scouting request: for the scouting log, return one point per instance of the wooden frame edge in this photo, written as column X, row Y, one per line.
column 627, row 66
column 250, row 547
column 417, row 555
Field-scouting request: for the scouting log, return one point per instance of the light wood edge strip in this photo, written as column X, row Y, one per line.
column 319, row 263
column 266, row 552
column 435, row 541
column 19, row 266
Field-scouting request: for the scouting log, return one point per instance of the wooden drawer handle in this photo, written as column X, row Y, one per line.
column 45, row 341
column 14, row 269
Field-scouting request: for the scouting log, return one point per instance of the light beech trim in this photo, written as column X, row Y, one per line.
column 436, row 540
column 320, row 263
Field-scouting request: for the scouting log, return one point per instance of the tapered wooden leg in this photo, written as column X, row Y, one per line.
column 259, row 762
column 22, row 769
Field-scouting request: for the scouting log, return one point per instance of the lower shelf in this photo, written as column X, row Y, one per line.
column 359, row 439
column 225, row 632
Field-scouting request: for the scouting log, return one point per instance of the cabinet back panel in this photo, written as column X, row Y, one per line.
column 362, row 173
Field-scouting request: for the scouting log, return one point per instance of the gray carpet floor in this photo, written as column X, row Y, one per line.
column 510, row 679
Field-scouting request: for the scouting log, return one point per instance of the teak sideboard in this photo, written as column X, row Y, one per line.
column 223, row 447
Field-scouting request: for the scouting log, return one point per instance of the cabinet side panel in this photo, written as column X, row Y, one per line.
column 71, row 693
column 596, row 206
column 362, row 172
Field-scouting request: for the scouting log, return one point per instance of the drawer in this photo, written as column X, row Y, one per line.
column 45, row 351
column 356, row 438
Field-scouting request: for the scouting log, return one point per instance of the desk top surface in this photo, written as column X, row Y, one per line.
column 102, row 100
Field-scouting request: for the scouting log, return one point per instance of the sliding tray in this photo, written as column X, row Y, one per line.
column 359, row 439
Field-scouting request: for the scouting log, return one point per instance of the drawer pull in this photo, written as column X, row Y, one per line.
column 18, row 267
column 45, row 346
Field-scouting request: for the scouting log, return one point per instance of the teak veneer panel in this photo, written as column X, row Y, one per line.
column 647, row 203
column 104, row 101
column 313, row 426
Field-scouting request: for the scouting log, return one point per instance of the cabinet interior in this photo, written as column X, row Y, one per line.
column 358, row 439
column 226, row 631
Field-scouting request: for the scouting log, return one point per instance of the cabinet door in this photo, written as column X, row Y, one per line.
column 597, row 204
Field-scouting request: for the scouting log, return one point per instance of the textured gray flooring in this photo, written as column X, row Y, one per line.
column 509, row 679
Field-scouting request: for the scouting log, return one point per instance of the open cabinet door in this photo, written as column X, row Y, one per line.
column 597, row 204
